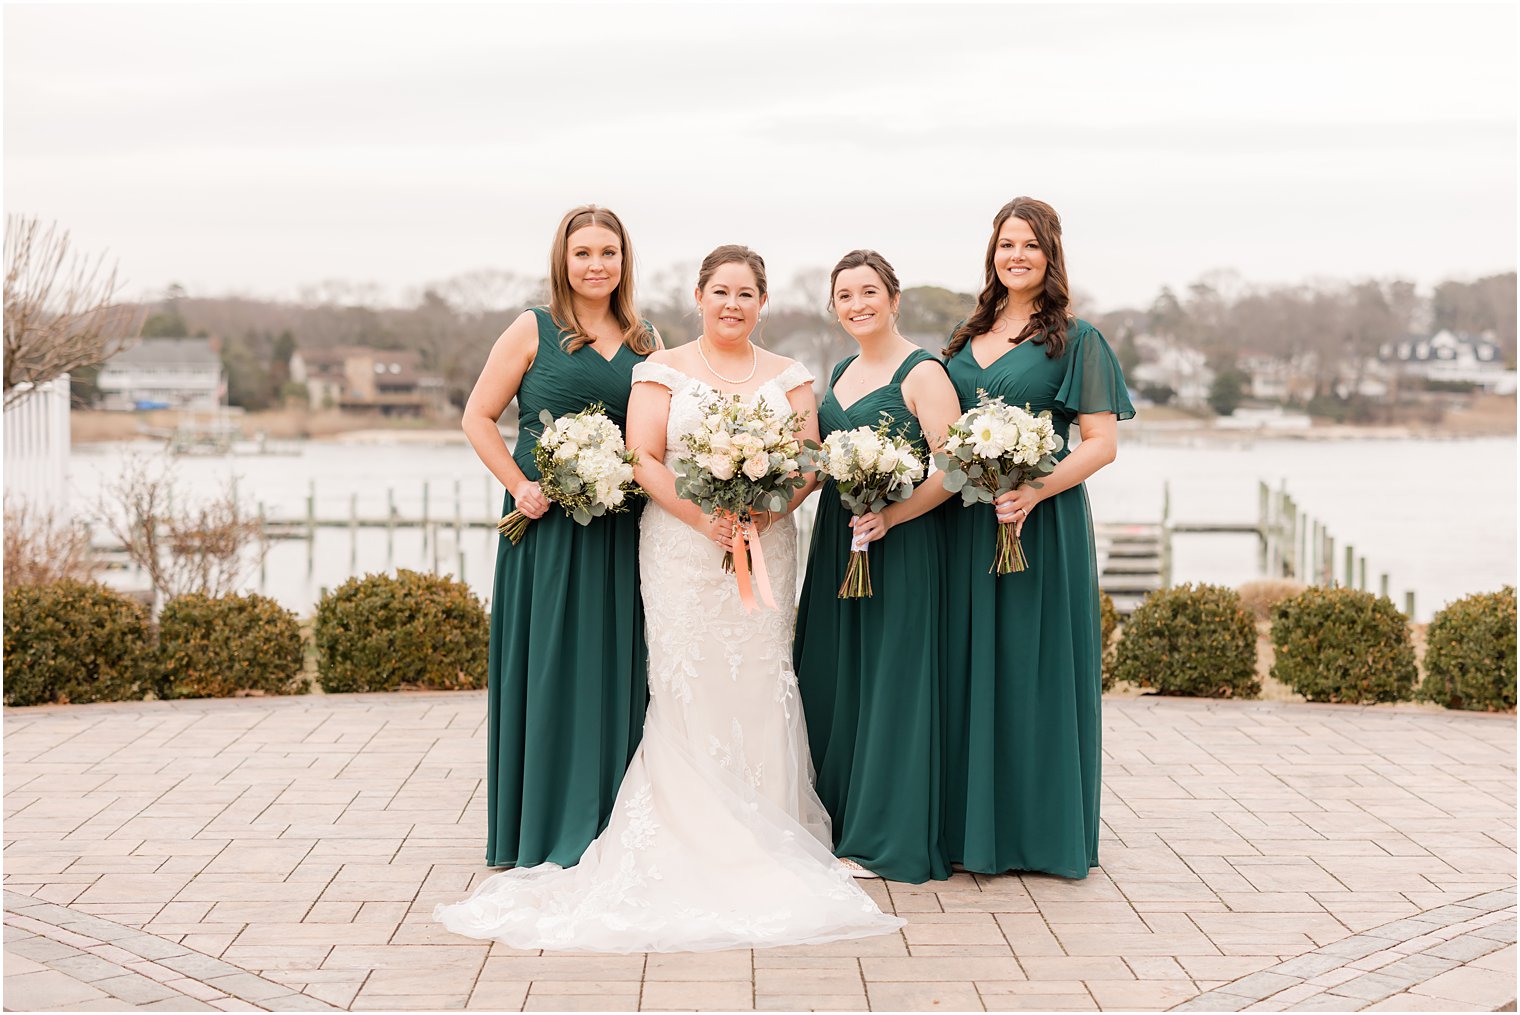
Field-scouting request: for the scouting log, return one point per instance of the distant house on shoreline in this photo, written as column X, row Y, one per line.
column 1451, row 358
column 363, row 380
column 164, row 373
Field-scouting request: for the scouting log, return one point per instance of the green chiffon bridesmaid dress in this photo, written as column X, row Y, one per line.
column 567, row 662
column 869, row 670
column 1023, row 682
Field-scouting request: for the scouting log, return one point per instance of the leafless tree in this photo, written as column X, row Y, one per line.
column 61, row 310
column 41, row 546
column 205, row 547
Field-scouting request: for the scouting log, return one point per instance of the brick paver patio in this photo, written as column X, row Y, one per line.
column 285, row 854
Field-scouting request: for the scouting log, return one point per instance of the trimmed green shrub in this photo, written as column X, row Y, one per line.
column 216, row 648
column 1109, row 619
column 1190, row 640
column 1342, row 645
column 1470, row 653
column 377, row 632
column 73, row 641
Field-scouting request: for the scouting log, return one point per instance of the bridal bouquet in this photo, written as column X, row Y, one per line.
column 992, row 449
column 740, row 459
column 871, row 469
column 583, row 467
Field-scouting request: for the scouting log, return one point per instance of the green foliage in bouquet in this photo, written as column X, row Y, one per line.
column 1470, row 653
column 219, row 647
column 993, row 448
column 592, row 478
column 72, row 641
column 701, row 475
column 1342, row 645
column 377, row 632
column 1194, row 640
column 871, row 467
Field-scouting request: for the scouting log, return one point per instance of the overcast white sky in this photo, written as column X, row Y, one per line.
column 255, row 149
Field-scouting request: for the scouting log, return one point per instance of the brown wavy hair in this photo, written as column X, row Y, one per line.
column 732, row 253
column 1047, row 326
column 866, row 259
column 636, row 334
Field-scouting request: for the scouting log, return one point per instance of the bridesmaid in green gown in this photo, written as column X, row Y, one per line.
column 567, row 659
column 870, row 669
column 1024, row 688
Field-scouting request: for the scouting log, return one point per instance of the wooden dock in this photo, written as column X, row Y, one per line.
column 1134, row 557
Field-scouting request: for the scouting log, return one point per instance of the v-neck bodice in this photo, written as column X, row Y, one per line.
column 1085, row 378
column 867, row 410
column 564, row 382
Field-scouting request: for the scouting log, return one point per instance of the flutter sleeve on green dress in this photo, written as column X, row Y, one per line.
column 1093, row 381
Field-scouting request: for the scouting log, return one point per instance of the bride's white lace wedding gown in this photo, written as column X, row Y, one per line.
column 716, row 839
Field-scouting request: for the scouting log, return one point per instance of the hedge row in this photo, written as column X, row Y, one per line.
column 71, row 641
column 1329, row 644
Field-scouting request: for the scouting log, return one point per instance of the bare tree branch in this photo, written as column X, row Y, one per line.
column 42, row 546
column 207, row 547
column 61, row 311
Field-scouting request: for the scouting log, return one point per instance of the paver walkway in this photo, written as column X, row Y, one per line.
column 285, row 854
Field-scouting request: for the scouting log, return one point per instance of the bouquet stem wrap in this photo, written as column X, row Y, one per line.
column 740, row 564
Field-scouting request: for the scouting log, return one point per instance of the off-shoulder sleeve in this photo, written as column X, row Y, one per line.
column 794, row 376
column 1094, row 381
column 658, row 373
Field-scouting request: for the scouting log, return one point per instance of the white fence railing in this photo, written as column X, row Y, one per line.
column 37, row 447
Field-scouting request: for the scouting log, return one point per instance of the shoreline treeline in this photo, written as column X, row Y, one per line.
column 451, row 324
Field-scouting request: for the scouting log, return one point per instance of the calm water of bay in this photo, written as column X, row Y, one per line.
column 1438, row 516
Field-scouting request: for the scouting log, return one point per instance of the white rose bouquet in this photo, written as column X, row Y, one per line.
column 871, row 468
column 584, row 467
column 992, row 449
column 743, row 458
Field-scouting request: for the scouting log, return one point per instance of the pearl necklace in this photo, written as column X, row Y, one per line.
column 754, row 361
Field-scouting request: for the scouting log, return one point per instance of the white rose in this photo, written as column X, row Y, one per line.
column 567, row 451
column 722, row 467
column 757, row 465
column 721, row 443
column 887, row 460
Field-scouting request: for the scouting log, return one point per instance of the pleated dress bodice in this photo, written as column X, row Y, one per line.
column 564, row 382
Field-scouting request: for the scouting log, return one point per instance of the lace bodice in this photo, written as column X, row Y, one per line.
column 687, row 394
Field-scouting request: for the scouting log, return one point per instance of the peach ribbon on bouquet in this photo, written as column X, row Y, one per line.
column 746, row 536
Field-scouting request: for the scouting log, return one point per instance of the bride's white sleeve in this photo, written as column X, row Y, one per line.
column 658, row 373
column 793, row 376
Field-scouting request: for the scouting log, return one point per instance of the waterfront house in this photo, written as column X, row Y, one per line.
column 1450, row 358
column 359, row 379
column 1167, row 363
column 164, row 373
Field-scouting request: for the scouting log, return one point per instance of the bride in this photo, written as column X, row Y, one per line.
column 716, row 839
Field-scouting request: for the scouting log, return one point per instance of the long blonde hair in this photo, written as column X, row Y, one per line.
column 636, row 334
